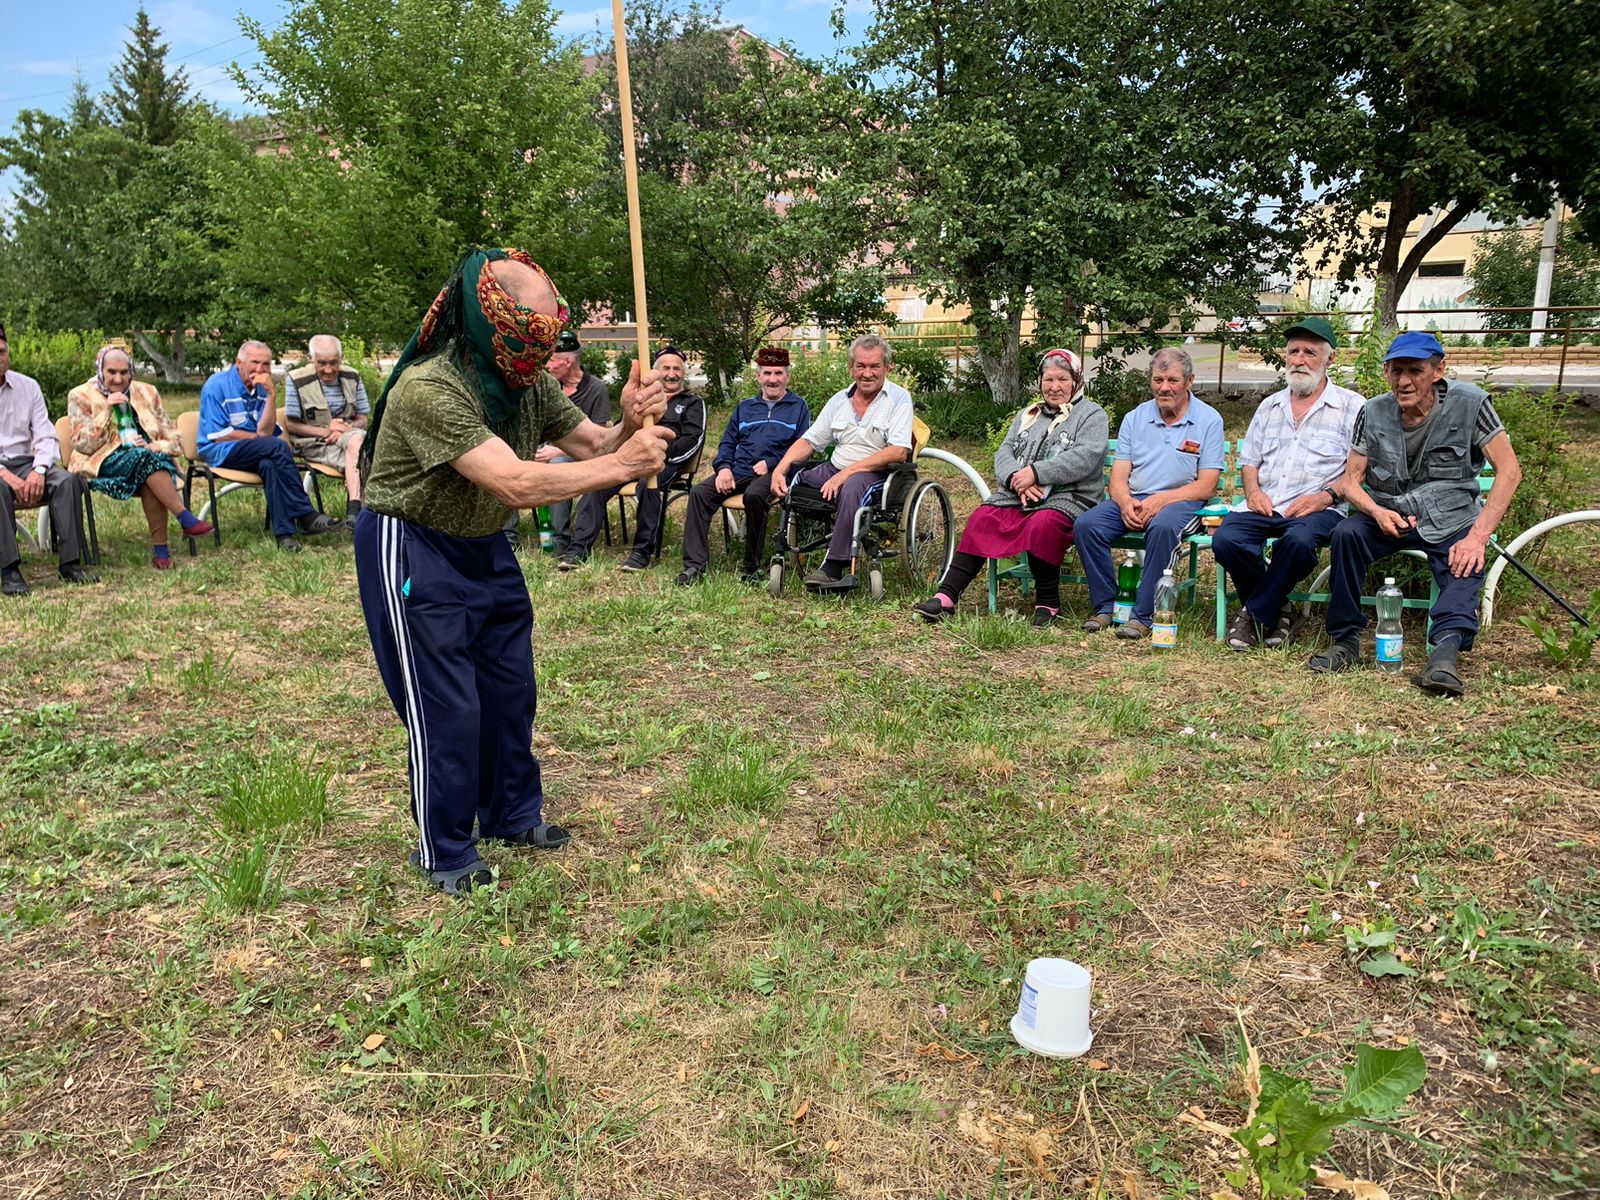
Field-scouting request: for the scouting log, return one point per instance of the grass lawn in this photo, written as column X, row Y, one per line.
column 815, row 846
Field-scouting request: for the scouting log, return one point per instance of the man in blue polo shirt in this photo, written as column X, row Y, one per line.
column 239, row 431
column 1168, row 462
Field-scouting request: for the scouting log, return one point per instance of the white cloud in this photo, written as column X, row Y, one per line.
column 49, row 66
column 185, row 24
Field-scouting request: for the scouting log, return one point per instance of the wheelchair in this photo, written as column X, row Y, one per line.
column 905, row 517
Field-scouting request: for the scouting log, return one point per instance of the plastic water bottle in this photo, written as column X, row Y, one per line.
column 1164, row 633
column 1127, row 589
column 1391, row 635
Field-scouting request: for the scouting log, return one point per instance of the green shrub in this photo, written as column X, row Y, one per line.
column 1533, row 421
column 362, row 363
column 1118, row 389
column 58, row 361
column 597, row 361
column 621, row 365
column 923, row 366
column 952, row 414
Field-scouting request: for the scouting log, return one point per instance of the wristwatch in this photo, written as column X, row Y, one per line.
column 1333, row 496
column 40, row 470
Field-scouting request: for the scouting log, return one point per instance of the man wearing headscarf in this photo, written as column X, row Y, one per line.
column 448, row 454
column 1048, row 471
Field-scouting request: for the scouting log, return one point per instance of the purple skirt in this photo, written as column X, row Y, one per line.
column 994, row 532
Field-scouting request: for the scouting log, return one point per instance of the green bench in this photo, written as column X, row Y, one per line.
column 1188, row 586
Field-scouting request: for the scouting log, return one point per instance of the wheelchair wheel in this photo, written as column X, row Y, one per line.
column 928, row 533
column 775, row 578
column 875, row 581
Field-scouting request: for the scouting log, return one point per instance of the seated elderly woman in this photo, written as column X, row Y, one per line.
column 123, row 442
column 1049, row 470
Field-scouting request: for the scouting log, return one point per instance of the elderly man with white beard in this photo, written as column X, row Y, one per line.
column 1291, row 462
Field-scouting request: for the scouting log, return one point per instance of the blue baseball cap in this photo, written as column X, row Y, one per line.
column 1414, row 345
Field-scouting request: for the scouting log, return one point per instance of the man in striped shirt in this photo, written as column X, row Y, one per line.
column 1292, row 458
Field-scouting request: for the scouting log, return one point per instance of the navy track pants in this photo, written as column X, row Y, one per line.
column 451, row 627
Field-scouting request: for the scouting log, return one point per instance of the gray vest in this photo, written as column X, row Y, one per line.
column 315, row 408
column 1443, row 494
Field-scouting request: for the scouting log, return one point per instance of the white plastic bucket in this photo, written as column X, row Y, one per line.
column 1053, row 1016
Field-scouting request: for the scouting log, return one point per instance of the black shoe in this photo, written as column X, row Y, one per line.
column 690, row 576
column 570, row 561
column 1340, row 656
column 1043, row 618
column 637, row 561
column 288, row 545
column 352, row 510
column 12, row 583
column 74, row 573
column 932, row 611
column 1242, row 632
column 1442, row 677
column 543, row 836
column 317, row 523
column 752, row 578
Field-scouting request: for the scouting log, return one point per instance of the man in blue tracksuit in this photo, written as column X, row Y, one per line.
column 758, row 433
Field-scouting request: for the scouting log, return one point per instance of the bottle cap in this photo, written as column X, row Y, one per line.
column 1388, row 581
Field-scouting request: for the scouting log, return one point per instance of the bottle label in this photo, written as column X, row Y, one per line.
column 1165, row 636
column 1121, row 611
column 1028, row 1010
column 1390, row 647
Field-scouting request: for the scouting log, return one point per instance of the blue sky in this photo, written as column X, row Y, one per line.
column 47, row 42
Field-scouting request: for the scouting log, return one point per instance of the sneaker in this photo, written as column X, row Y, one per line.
column 570, row 561
column 932, row 610
column 752, row 578
column 288, row 545
column 73, row 573
column 1279, row 637
column 318, row 523
column 12, row 583
column 1043, row 617
column 1097, row 623
column 690, row 576
column 637, row 561
column 1132, row 630
column 1242, row 632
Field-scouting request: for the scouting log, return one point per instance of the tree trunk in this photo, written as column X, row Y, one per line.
column 999, row 348
column 170, row 362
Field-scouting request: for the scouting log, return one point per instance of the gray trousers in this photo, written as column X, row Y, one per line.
column 63, row 494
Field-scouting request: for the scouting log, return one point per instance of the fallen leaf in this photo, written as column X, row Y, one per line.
column 277, row 1035
column 505, row 941
column 1359, row 1189
column 683, row 1072
column 996, row 895
column 832, row 1147
column 805, row 1107
column 1099, row 1064
column 365, row 964
column 373, row 1041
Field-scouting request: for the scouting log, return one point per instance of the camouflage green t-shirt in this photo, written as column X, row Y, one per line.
column 432, row 417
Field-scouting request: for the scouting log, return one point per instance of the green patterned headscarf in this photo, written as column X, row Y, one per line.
column 499, row 345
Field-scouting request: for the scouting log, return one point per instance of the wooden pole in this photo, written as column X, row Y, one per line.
column 630, row 178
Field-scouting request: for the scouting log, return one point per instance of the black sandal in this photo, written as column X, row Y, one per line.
column 543, row 836
column 476, row 874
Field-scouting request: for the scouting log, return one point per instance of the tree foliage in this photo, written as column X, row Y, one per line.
column 1062, row 157
column 1506, row 269
column 147, row 100
column 1445, row 108
column 406, row 132
column 734, row 249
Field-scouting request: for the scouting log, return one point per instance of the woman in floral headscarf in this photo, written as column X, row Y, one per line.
column 1048, row 470
column 123, row 443
column 448, row 454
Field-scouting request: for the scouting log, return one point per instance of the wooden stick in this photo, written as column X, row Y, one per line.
column 630, row 178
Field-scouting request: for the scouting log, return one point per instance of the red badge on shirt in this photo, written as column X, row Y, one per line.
column 1190, row 446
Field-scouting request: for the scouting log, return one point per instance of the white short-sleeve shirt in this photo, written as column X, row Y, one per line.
column 887, row 422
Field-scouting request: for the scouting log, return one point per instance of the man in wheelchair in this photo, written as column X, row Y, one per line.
column 869, row 426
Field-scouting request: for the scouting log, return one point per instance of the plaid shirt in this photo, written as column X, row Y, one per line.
column 1294, row 461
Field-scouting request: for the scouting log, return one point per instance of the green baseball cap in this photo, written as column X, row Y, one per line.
column 1317, row 327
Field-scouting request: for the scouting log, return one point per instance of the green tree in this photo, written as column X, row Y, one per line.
column 1506, row 269
column 1444, row 109
column 1064, row 158
column 405, row 131
column 735, row 251
column 146, row 101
